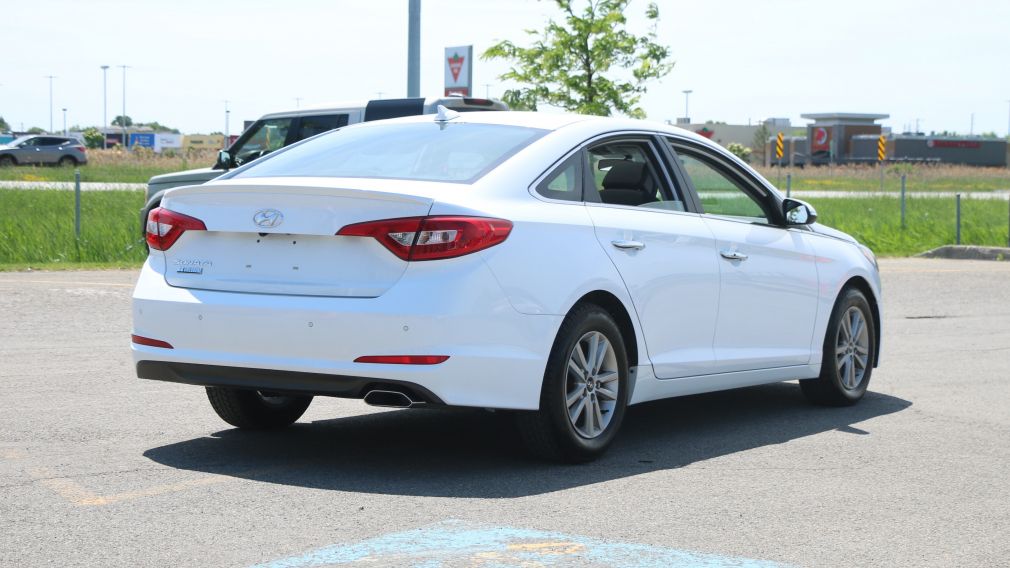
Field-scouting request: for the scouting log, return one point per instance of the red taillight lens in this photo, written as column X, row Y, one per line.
column 164, row 227
column 141, row 340
column 403, row 359
column 432, row 238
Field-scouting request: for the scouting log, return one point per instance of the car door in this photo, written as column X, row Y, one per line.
column 48, row 149
column 664, row 252
column 768, row 276
column 28, row 151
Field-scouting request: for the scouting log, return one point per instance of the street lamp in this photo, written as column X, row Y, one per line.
column 50, row 77
column 64, row 122
column 126, row 143
column 105, row 106
column 687, row 115
column 227, row 114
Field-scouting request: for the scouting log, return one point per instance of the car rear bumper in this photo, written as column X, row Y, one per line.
column 308, row 344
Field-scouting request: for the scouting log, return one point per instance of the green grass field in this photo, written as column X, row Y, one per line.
column 109, row 173
column 37, row 227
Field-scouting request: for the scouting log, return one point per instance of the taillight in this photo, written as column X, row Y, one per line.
column 432, row 238
column 165, row 226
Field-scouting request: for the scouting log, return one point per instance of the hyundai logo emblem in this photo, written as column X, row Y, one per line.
column 268, row 218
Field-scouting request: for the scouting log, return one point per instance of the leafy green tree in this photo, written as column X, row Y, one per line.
column 93, row 138
column 588, row 63
column 4, row 127
column 159, row 127
column 760, row 142
column 120, row 119
column 36, row 130
column 740, row 151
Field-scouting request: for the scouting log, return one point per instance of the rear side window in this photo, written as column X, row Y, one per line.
column 564, row 183
column 428, row 151
column 309, row 126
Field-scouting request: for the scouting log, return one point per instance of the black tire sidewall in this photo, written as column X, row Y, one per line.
column 574, row 445
column 829, row 368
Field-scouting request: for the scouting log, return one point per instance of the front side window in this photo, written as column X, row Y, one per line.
column 718, row 192
column 424, row 151
column 261, row 139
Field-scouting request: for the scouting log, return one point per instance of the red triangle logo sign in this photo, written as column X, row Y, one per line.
column 455, row 66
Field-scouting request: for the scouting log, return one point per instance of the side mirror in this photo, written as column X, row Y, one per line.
column 223, row 160
column 798, row 212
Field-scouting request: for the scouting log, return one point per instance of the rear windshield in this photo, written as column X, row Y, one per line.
column 427, row 151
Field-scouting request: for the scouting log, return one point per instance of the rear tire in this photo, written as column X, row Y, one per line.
column 850, row 346
column 7, row 161
column 594, row 392
column 256, row 410
column 67, row 162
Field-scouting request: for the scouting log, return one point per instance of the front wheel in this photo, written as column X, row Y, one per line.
column 585, row 390
column 67, row 162
column 849, row 352
column 256, row 410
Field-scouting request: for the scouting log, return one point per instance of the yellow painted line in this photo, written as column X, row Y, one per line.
column 12, row 454
column 76, row 494
column 549, row 547
column 68, row 283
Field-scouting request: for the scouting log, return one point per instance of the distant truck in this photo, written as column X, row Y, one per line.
column 279, row 129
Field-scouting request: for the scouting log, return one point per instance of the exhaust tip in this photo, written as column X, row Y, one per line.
column 390, row 399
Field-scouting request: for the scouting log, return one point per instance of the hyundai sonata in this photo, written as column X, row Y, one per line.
column 563, row 267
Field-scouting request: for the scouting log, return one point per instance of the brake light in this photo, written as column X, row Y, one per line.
column 432, row 238
column 403, row 359
column 165, row 226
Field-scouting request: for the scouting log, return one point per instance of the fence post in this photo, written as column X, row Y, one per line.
column 789, row 184
column 902, row 201
column 958, row 203
column 77, row 203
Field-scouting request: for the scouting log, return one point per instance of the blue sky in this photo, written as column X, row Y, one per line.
column 938, row 62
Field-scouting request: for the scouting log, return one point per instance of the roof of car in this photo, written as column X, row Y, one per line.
column 555, row 121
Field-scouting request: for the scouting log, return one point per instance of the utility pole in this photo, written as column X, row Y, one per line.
column 971, row 129
column 105, row 106
column 414, row 48
column 50, row 77
column 227, row 114
column 64, row 122
column 487, row 90
column 687, row 114
column 126, row 142
column 298, row 102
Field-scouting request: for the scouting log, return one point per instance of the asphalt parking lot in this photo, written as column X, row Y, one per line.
column 98, row 468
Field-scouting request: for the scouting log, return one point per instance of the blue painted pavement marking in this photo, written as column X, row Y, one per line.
column 460, row 543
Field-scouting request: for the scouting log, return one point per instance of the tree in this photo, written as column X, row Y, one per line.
column 36, row 130
column 740, row 151
column 118, row 121
column 760, row 142
column 93, row 138
column 4, row 127
column 571, row 64
column 158, row 127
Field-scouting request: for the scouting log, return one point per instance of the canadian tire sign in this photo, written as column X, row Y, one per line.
column 459, row 70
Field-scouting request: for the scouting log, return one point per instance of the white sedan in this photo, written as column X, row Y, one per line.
column 560, row 266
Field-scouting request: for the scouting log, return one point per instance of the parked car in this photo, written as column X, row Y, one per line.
column 279, row 129
column 560, row 266
column 44, row 149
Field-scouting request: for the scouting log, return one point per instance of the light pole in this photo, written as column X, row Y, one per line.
column 414, row 48
column 50, row 77
column 298, row 102
column 126, row 143
column 105, row 106
column 1008, row 120
column 227, row 114
column 64, row 122
column 687, row 115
